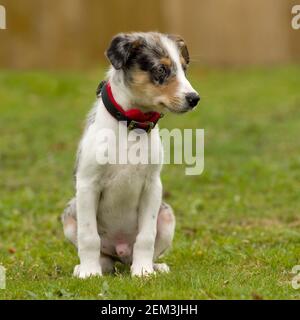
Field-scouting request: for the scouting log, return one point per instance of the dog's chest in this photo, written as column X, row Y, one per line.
column 121, row 184
column 118, row 204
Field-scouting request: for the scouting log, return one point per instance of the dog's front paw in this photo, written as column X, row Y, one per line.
column 142, row 270
column 84, row 271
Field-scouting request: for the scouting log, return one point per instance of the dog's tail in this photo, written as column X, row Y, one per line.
column 69, row 221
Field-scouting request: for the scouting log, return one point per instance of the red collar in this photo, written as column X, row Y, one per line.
column 135, row 118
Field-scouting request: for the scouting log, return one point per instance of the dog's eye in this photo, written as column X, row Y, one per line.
column 160, row 73
column 161, row 70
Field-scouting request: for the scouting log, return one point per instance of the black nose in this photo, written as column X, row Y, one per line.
column 192, row 98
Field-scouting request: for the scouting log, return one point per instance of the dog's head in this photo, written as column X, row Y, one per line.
column 154, row 69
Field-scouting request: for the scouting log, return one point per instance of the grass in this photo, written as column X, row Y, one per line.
column 238, row 224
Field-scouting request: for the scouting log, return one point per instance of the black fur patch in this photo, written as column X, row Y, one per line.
column 122, row 49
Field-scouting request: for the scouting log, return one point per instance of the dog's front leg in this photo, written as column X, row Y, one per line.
column 143, row 250
column 87, row 197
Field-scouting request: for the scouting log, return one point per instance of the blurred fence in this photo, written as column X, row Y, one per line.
column 75, row 33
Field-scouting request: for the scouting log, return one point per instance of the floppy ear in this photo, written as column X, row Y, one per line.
column 182, row 46
column 121, row 49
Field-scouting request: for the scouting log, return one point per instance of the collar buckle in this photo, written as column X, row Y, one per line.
column 135, row 125
column 132, row 125
column 151, row 126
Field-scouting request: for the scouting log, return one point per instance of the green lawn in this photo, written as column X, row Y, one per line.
column 238, row 224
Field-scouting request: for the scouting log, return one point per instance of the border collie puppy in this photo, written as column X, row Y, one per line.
column 117, row 213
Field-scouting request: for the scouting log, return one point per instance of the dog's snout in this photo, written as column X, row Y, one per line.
column 192, row 99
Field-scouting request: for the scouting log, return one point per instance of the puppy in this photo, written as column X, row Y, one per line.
column 118, row 213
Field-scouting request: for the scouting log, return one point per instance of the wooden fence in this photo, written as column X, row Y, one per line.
column 75, row 33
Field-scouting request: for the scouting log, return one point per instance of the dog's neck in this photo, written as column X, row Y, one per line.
column 120, row 90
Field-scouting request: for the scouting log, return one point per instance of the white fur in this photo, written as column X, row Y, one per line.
column 185, row 86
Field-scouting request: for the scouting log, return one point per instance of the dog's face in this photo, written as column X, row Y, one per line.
column 154, row 67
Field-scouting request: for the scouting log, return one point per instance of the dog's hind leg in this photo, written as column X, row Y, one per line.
column 165, row 234
column 69, row 221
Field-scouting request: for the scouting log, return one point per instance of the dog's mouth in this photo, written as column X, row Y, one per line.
column 176, row 109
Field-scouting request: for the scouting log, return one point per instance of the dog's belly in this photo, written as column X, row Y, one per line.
column 118, row 210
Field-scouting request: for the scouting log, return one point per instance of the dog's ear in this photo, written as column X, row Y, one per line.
column 182, row 46
column 121, row 50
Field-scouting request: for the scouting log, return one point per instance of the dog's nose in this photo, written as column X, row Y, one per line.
column 192, row 99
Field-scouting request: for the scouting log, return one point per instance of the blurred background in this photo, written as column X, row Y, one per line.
column 237, row 224
column 75, row 33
